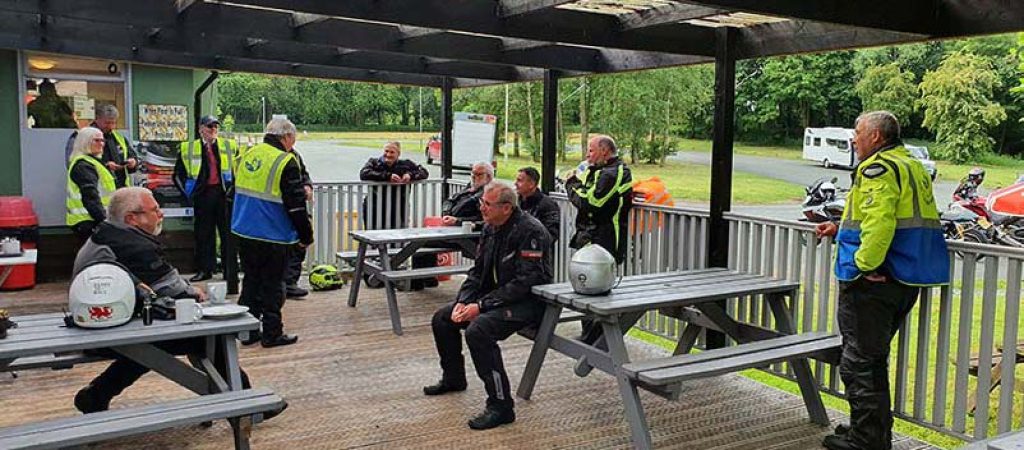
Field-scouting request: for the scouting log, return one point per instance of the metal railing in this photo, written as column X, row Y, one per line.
column 951, row 329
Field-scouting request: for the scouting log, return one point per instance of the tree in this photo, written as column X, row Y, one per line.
column 890, row 88
column 957, row 100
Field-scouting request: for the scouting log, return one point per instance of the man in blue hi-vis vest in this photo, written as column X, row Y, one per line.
column 889, row 244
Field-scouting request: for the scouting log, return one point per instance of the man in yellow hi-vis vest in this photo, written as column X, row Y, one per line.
column 269, row 217
column 205, row 174
column 889, row 245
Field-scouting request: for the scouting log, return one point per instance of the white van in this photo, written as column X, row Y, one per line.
column 830, row 146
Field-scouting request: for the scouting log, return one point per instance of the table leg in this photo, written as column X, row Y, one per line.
column 389, row 290
column 541, row 342
column 802, row 369
column 634, row 410
column 687, row 339
column 357, row 277
column 241, row 426
column 627, row 321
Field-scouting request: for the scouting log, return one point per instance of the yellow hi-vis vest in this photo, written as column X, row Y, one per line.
column 75, row 209
column 259, row 211
column 891, row 223
column 191, row 155
column 124, row 156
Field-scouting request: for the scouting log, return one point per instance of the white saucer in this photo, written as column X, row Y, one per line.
column 224, row 311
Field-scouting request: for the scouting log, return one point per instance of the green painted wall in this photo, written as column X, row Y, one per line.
column 10, row 135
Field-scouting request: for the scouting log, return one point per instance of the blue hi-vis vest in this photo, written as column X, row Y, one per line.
column 891, row 223
column 259, row 211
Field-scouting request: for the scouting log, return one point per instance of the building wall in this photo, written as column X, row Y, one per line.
column 10, row 150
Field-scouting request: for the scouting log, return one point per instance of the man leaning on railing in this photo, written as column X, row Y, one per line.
column 388, row 168
column 889, row 244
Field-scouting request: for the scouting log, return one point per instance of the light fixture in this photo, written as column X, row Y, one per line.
column 42, row 63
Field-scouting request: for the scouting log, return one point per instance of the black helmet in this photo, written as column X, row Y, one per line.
column 977, row 175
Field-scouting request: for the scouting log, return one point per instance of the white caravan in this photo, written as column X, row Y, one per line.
column 830, row 146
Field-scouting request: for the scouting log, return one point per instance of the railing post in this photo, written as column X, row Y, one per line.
column 550, row 136
column 446, row 136
column 721, row 157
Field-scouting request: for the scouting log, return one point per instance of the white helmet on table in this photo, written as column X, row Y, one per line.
column 102, row 296
column 592, row 270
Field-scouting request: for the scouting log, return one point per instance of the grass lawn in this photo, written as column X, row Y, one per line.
column 768, row 151
column 688, row 183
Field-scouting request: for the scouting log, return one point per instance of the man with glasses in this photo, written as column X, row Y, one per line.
column 205, row 174
column 464, row 206
column 128, row 237
column 494, row 302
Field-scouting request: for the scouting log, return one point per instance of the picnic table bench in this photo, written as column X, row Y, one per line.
column 397, row 245
column 43, row 340
column 699, row 294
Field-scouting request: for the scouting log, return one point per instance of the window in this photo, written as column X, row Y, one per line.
column 817, row 142
column 807, row 140
column 63, row 92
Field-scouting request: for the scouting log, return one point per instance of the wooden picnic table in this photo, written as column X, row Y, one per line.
column 409, row 241
column 42, row 336
column 696, row 295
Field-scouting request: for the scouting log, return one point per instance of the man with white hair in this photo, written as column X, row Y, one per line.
column 129, row 238
column 888, row 246
column 269, row 217
column 118, row 154
column 465, row 206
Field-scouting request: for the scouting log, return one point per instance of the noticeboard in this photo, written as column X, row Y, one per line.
column 163, row 122
column 473, row 139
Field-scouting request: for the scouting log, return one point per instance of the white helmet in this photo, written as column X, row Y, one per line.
column 592, row 270
column 102, row 296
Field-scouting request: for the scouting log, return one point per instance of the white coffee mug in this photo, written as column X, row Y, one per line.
column 186, row 311
column 217, row 290
column 467, row 227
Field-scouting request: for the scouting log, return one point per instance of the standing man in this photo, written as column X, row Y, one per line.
column 205, row 174
column 494, row 302
column 602, row 199
column 269, row 217
column 536, row 203
column 465, row 206
column 889, row 244
column 389, row 168
column 297, row 254
column 118, row 154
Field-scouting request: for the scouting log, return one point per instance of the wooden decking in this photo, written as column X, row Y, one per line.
column 351, row 383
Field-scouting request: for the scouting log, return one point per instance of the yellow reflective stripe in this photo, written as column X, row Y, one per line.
column 274, row 177
column 257, row 194
column 599, row 202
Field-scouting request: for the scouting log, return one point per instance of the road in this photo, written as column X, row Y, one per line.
column 332, row 162
column 794, row 171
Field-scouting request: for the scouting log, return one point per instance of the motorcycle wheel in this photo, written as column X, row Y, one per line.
column 976, row 236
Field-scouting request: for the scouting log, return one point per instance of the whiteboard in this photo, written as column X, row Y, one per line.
column 473, row 139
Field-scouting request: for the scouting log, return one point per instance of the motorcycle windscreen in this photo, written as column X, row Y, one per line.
column 1007, row 201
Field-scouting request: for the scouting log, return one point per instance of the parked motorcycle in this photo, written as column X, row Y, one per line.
column 822, row 202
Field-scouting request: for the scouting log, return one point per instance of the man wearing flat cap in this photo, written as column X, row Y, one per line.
column 205, row 174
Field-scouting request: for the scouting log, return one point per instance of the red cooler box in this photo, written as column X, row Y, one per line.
column 18, row 220
column 443, row 259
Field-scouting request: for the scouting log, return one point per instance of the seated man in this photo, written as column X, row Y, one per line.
column 536, row 203
column 494, row 302
column 128, row 236
column 465, row 206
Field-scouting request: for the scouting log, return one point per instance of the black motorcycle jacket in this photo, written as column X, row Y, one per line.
column 603, row 200
column 510, row 260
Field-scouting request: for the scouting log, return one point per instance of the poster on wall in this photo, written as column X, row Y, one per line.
column 163, row 122
column 161, row 130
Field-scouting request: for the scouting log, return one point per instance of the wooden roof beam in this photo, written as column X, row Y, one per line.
column 674, row 13
column 512, row 8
